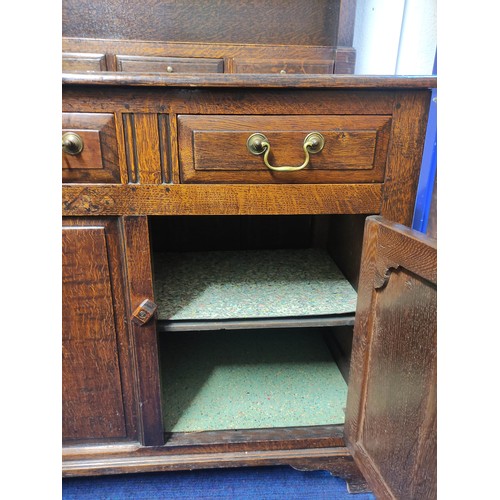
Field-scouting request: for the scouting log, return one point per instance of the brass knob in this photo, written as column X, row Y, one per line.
column 72, row 144
column 314, row 142
column 170, row 69
column 283, row 72
column 254, row 144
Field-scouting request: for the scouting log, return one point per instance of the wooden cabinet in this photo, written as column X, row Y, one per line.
column 194, row 211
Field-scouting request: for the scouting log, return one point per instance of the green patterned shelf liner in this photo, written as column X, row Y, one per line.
column 250, row 284
column 250, row 380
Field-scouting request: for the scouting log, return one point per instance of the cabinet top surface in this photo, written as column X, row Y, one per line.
column 243, row 81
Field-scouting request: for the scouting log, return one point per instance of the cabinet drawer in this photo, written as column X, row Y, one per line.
column 213, row 148
column 147, row 64
column 98, row 160
column 78, row 62
column 292, row 66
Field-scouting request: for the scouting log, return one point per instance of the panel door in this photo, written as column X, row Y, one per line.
column 391, row 407
column 98, row 393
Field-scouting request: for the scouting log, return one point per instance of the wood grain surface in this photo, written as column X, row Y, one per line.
column 287, row 438
column 282, row 66
column 347, row 17
column 234, row 199
column 187, row 443
column 257, row 53
column 98, row 162
column 213, row 148
column 236, row 101
column 345, row 60
column 91, row 156
column 140, row 281
column 145, row 148
column 147, row 64
column 405, row 156
column 391, row 407
column 255, row 21
column 81, row 62
column 345, row 244
column 147, row 145
column 336, row 460
column 248, row 81
column 97, row 377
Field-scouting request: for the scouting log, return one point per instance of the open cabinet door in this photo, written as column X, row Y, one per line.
column 391, row 408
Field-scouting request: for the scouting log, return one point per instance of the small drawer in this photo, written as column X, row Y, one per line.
column 81, row 62
column 97, row 161
column 213, row 148
column 145, row 64
column 281, row 66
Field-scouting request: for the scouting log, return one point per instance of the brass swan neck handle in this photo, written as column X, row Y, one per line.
column 258, row 144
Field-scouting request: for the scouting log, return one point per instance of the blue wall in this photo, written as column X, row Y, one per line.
column 429, row 166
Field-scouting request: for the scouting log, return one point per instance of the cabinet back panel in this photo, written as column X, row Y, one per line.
column 255, row 21
column 205, row 233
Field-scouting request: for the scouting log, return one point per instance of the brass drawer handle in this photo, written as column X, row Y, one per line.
column 72, row 144
column 258, row 144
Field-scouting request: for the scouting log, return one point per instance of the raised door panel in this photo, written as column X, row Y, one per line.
column 96, row 160
column 97, row 386
column 391, row 407
column 213, row 148
column 148, row 64
column 282, row 66
column 78, row 62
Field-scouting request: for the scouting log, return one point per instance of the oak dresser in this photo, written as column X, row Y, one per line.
column 240, row 286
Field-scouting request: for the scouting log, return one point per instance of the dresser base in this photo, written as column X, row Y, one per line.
column 137, row 459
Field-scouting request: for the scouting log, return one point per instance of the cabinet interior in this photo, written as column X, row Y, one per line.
column 238, row 358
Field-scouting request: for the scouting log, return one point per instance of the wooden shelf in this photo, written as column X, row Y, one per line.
column 250, row 380
column 165, row 326
column 251, row 289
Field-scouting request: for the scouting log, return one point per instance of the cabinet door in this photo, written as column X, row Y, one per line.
column 143, row 327
column 98, row 394
column 391, row 407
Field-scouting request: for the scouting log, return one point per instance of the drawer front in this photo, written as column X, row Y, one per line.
column 213, row 148
column 145, row 64
column 98, row 160
column 282, row 66
column 80, row 62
